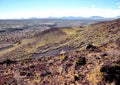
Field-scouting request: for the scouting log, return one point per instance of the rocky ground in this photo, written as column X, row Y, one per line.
column 93, row 66
column 65, row 56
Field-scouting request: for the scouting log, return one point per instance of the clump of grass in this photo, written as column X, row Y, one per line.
column 16, row 43
column 69, row 31
column 62, row 57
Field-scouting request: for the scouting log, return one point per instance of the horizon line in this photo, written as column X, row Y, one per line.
column 61, row 17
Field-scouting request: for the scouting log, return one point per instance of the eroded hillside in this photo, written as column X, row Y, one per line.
column 65, row 56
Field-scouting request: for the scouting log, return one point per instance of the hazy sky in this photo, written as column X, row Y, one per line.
column 58, row 8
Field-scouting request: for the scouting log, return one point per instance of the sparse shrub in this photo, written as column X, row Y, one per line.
column 41, row 59
column 65, row 58
column 8, row 62
column 80, row 62
column 29, row 74
column 91, row 47
column 16, row 43
column 29, row 56
column 23, row 73
column 111, row 73
column 104, row 54
column 69, row 64
column 76, row 78
column 62, row 57
column 118, row 63
column 32, row 67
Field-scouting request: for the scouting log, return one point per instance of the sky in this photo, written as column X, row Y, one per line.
column 15, row 9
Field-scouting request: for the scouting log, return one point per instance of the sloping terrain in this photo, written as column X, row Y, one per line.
column 40, row 43
column 65, row 56
column 93, row 66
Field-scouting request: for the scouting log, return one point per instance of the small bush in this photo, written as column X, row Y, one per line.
column 8, row 62
column 80, row 62
column 76, row 78
column 111, row 73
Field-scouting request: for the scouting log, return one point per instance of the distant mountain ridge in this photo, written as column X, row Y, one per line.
column 79, row 17
column 69, row 17
column 96, row 17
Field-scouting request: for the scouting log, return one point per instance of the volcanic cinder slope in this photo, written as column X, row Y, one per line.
column 65, row 56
